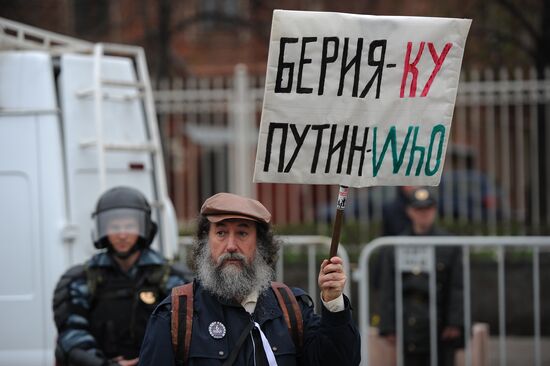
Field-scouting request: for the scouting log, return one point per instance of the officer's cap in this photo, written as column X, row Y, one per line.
column 223, row 206
column 421, row 198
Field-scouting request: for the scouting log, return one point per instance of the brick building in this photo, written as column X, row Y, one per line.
column 197, row 37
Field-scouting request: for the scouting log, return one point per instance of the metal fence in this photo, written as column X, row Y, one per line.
column 500, row 245
column 494, row 182
column 532, row 296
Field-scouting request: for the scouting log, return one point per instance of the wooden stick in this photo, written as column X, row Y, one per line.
column 340, row 204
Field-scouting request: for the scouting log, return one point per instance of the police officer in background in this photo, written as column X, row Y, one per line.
column 421, row 209
column 101, row 308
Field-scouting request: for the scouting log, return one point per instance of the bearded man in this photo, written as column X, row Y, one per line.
column 236, row 317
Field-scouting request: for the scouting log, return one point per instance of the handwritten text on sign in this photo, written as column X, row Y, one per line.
column 358, row 100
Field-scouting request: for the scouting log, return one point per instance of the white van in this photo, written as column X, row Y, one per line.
column 75, row 119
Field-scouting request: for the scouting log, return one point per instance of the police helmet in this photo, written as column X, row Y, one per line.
column 123, row 209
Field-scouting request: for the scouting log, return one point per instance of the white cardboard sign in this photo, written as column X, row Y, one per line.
column 358, row 100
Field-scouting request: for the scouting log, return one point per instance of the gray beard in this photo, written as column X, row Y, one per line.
column 229, row 281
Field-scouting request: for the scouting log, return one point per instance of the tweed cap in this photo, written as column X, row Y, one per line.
column 421, row 198
column 223, row 206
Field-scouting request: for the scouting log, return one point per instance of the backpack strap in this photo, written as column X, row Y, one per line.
column 291, row 311
column 182, row 320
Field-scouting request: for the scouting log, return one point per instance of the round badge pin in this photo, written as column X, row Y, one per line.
column 216, row 330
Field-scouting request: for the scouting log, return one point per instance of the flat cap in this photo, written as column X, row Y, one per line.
column 223, row 206
column 421, row 198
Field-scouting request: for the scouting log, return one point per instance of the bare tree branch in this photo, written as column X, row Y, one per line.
column 508, row 38
column 518, row 15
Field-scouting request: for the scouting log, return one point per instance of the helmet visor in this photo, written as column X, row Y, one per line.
column 120, row 221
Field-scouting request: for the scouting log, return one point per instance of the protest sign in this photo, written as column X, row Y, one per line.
column 358, row 100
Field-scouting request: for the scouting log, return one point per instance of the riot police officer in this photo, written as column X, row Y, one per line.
column 101, row 308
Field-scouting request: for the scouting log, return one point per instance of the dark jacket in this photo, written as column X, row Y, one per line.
column 394, row 215
column 98, row 307
column 415, row 290
column 332, row 339
column 394, row 222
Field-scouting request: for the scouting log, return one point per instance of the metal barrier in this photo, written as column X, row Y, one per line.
column 466, row 243
column 313, row 244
